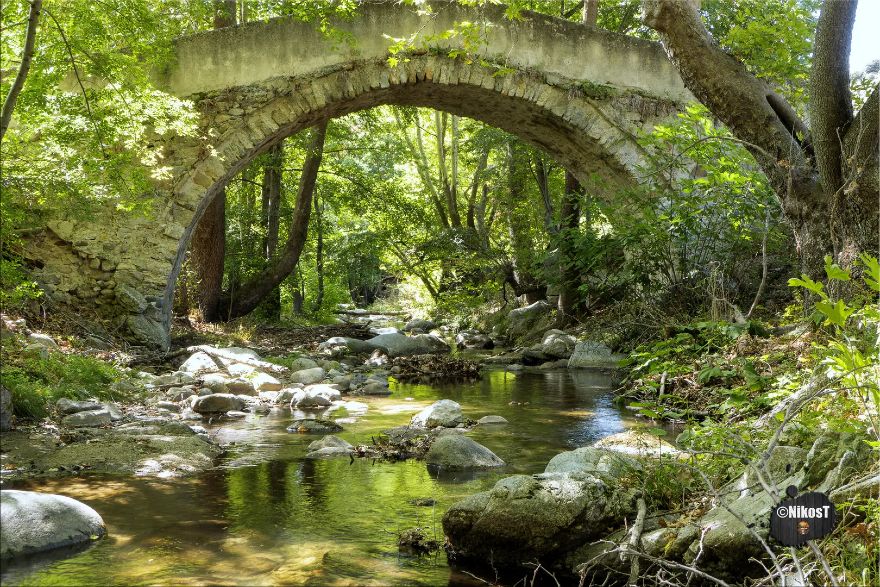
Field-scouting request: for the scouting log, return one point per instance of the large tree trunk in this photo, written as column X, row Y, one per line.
column 825, row 219
column 208, row 246
column 30, row 37
column 568, row 270
column 253, row 292
column 271, row 204
column 208, row 251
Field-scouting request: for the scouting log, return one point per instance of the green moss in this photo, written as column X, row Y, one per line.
column 597, row 91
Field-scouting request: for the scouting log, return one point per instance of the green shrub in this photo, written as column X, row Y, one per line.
column 36, row 383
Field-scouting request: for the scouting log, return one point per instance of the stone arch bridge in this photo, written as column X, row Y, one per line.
column 580, row 93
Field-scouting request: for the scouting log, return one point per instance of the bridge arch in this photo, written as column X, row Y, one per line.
column 577, row 92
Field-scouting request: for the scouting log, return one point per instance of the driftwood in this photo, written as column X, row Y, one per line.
column 222, row 354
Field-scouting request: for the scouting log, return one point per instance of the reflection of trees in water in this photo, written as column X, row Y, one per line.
column 311, row 483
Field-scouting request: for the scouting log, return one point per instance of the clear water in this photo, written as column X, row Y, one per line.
column 270, row 517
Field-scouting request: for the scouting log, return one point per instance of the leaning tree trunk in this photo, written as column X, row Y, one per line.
column 826, row 179
column 319, row 253
column 253, row 292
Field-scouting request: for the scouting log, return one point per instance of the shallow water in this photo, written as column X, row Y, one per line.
column 268, row 516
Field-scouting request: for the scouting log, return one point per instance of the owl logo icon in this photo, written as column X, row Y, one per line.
column 803, row 527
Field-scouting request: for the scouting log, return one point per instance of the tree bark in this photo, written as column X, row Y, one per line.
column 30, row 38
column 271, row 204
column 825, row 220
column 224, row 13
column 253, row 292
column 319, row 252
column 271, row 198
column 208, row 251
column 591, row 12
column 568, row 270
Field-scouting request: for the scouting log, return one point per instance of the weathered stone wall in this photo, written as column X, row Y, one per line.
column 579, row 93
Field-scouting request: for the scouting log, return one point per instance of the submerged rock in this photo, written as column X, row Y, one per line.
column 444, row 412
column 314, row 427
column 455, row 451
column 492, row 420
column 34, row 522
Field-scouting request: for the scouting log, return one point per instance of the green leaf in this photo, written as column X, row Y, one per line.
column 835, row 314
column 833, row 270
column 807, row 283
column 872, row 271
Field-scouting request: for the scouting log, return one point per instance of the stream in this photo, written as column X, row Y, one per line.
column 269, row 516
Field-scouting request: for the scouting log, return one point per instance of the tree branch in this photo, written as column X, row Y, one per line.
column 23, row 69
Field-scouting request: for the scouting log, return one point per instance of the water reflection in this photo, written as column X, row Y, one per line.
column 271, row 517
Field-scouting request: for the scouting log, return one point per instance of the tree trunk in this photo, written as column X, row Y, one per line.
column 826, row 220
column 568, row 269
column 271, row 204
column 319, row 253
column 208, row 251
column 27, row 55
column 271, row 198
column 591, row 12
column 253, row 292
column 224, row 13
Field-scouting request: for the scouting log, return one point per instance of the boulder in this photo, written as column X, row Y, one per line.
column 241, row 387
column 307, row 376
column 522, row 320
column 595, row 461
column 43, row 340
column 130, row 299
column 5, row 409
column 640, row 444
column 592, row 354
column 400, row 345
column 444, row 412
column 199, row 363
column 314, row 427
column 373, row 387
column 324, row 390
column 87, row 418
column 308, row 401
column 216, row 382
column 538, row 517
column 36, row 522
column 241, row 370
column 265, row 382
column 68, row 406
column 386, row 330
column 472, row 339
column 492, row 420
column 216, row 403
column 343, row 345
column 557, row 344
column 301, row 363
column 454, row 451
column 419, row 325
